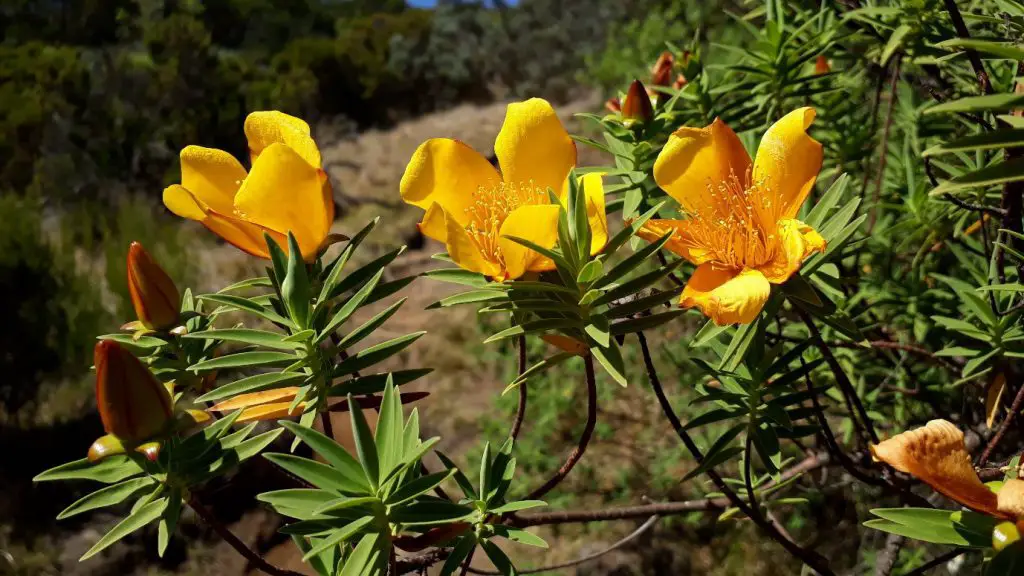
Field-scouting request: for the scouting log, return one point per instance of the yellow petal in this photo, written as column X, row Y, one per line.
column 593, row 188
column 727, row 296
column 449, row 173
column 465, row 252
column 433, row 224
column 273, row 411
column 538, row 224
column 788, row 161
column 263, row 129
column 682, row 242
column 255, row 398
column 533, row 146
column 183, row 203
column 1010, row 500
column 935, row 453
column 246, row 236
column 566, row 344
column 212, row 176
column 284, row 193
column 796, row 241
column 695, row 161
column 993, row 397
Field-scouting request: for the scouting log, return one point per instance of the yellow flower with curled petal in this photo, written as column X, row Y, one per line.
column 286, row 189
column 740, row 229
column 936, row 454
column 473, row 209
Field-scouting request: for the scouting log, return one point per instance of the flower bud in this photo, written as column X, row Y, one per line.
column 613, row 105
column 153, row 294
column 661, row 73
column 1004, row 534
column 133, row 405
column 680, row 82
column 821, row 65
column 638, row 104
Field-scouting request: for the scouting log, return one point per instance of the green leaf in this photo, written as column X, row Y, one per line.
column 246, row 305
column 630, row 229
column 168, row 522
column 643, row 304
column 257, row 383
column 928, row 525
column 990, row 102
column 106, row 496
column 591, row 271
column 636, row 259
column 1001, row 173
column 260, row 282
column 133, row 343
column 459, row 553
column 246, row 336
column 766, row 443
column 349, row 307
column 417, row 487
column 537, row 368
column 610, row 359
column 637, row 284
column 317, row 474
column 430, row 512
column 365, row 447
column 374, row 354
column 133, row 522
column 532, row 327
column 243, row 360
column 517, row 506
column 816, row 217
column 365, row 272
column 470, row 297
column 458, row 276
column 338, row 536
column 308, row 499
column 109, row 470
column 997, row 49
column 390, row 429
column 519, row 536
column 708, row 333
column 373, row 383
column 485, row 470
column 994, row 140
column 498, row 558
column 645, row 322
column 360, row 559
column 333, row 453
column 464, row 484
column 295, row 289
column 894, row 43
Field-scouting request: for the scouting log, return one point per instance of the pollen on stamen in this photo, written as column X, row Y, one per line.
column 491, row 206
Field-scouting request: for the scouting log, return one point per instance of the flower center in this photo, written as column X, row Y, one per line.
column 738, row 226
column 491, row 206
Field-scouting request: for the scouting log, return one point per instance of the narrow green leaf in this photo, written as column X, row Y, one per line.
column 243, row 360
column 365, row 447
column 333, row 453
column 133, row 522
column 109, row 470
column 257, row 383
column 106, row 496
column 246, row 336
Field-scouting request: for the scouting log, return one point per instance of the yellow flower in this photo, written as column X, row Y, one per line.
column 741, row 230
column 936, row 454
column 286, row 190
column 472, row 208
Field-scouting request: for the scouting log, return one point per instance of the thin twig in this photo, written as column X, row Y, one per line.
column 809, row 557
column 883, row 155
column 885, row 344
column 521, row 410
column 961, row 30
column 941, row 559
column 973, row 207
column 467, row 562
column 672, row 276
column 887, row 559
column 1003, row 427
column 626, row 540
column 252, row 556
column 588, row 431
column 841, row 378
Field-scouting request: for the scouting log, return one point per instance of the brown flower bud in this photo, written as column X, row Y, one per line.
column 680, row 82
column 133, row 405
column 613, row 105
column 638, row 103
column 821, row 65
column 153, row 294
column 661, row 73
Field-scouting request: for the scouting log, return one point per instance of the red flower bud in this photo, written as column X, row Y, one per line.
column 133, row 405
column 638, row 103
column 153, row 293
column 661, row 73
column 613, row 105
column 821, row 65
column 680, row 82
